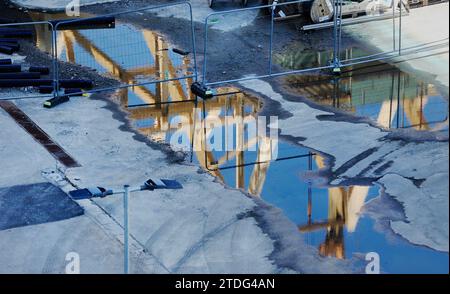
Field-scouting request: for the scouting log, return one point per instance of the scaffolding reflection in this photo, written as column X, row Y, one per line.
column 146, row 59
column 390, row 97
column 157, row 111
column 344, row 208
column 228, row 110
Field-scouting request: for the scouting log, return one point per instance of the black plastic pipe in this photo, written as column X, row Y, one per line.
column 56, row 101
column 7, row 20
column 24, row 83
column 20, row 75
column 10, row 68
column 102, row 22
column 5, row 61
column 6, row 50
column 16, row 33
column 14, row 46
column 43, row 70
column 9, row 40
column 10, row 83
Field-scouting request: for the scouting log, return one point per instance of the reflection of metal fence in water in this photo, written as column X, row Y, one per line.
column 159, row 122
column 393, row 99
column 344, row 208
column 228, row 115
column 164, row 66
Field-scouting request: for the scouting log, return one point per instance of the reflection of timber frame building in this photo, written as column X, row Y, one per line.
column 241, row 107
column 400, row 96
column 173, row 92
column 162, row 69
column 344, row 207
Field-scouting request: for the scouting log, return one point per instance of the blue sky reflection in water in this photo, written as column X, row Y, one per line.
column 285, row 189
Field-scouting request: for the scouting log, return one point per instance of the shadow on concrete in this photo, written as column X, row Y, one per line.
column 35, row 204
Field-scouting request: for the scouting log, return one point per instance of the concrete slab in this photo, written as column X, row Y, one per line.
column 421, row 26
column 168, row 224
column 43, row 249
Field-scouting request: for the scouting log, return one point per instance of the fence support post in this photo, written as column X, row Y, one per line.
column 55, row 60
column 336, row 63
column 400, row 30
column 393, row 26
column 272, row 19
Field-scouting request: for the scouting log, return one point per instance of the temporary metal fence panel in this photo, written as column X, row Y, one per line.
column 236, row 43
column 258, row 57
column 23, row 36
column 380, row 34
column 133, row 56
column 354, row 33
column 374, row 36
column 297, row 51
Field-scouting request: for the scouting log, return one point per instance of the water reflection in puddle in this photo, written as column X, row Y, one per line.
column 331, row 219
column 130, row 54
column 390, row 97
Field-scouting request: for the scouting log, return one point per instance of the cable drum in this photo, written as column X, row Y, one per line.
column 321, row 11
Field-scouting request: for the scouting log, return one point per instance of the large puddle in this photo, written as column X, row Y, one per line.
column 381, row 92
column 332, row 218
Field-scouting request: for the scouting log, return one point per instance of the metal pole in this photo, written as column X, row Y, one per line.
column 391, row 99
column 309, row 212
column 53, row 54
column 205, row 46
column 400, row 30
column 194, row 47
column 204, row 133
column 334, row 31
column 194, row 127
column 271, row 35
column 55, row 61
column 336, row 41
column 393, row 25
column 398, row 99
column 340, row 31
column 126, row 232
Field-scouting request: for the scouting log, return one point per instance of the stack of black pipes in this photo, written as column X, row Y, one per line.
column 16, row 75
